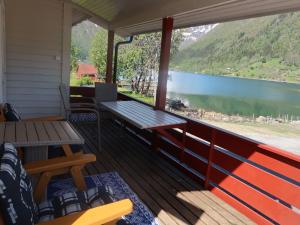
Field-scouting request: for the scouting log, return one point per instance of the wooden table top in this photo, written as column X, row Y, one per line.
column 39, row 133
column 142, row 116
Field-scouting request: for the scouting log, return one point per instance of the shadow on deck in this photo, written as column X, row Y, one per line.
column 172, row 196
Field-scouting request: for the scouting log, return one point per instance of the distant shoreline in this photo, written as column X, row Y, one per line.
column 233, row 76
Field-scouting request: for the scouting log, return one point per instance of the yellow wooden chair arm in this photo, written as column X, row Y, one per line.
column 46, row 118
column 105, row 214
column 49, row 165
column 57, row 166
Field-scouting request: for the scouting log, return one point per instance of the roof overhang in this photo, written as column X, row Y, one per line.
column 130, row 17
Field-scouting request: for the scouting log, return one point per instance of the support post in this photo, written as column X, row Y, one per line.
column 161, row 91
column 109, row 59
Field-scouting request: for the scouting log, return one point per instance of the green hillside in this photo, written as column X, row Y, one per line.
column 82, row 36
column 264, row 48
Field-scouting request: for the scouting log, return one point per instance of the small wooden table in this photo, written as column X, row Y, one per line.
column 38, row 135
column 145, row 117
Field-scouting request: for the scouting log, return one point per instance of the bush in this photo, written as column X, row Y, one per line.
column 86, row 81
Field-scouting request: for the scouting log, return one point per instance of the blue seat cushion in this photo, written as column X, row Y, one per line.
column 72, row 202
column 57, row 150
column 16, row 198
column 10, row 113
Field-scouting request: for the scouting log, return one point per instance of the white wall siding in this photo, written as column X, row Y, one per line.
column 34, row 55
column 2, row 52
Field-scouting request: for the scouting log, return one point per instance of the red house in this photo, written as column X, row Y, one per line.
column 88, row 70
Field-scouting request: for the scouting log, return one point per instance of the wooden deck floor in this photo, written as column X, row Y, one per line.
column 172, row 197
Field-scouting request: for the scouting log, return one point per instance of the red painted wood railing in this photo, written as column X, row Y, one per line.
column 261, row 181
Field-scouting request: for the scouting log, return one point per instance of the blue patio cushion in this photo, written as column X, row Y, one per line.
column 10, row 113
column 72, row 202
column 16, row 198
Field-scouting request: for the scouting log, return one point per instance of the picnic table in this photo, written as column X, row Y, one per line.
column 145, row 117
column 36, row 136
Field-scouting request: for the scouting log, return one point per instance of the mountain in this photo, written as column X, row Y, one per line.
column 264, row 48
column 192, row 34
column 82, row 36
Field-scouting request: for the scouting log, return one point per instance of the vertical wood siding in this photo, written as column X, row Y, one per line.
column 34, row 56
column 2, row 55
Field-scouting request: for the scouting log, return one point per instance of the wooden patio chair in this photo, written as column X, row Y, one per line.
column 20, row 205
column 8, row 113
column 79, row 108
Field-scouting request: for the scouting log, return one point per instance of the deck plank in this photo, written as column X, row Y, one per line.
column 21, row 134
column 9, row 135
column 144, row 193
column 172, row 196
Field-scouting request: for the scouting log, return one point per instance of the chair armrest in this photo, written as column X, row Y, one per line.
column 58, row 163
column 46, row 118
column 95, row 216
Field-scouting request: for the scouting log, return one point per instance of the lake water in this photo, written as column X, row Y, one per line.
column 231, row 95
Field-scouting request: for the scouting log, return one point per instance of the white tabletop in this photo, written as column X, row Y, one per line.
column 142, row 116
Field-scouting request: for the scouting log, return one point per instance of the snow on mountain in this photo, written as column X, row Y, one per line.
column 192, row 34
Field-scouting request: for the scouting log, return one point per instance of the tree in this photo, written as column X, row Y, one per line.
column 139, row 61
column 74, row 57
column 97, row 53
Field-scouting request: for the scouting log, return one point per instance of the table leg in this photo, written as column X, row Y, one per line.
column 78, row 177
column 67, row 150
column 76, row 171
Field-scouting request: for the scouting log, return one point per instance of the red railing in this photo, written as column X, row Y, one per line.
column 261, row 181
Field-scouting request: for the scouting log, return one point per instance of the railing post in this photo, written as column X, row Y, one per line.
column 109, row 59
column 164, row 63
column 210, row 158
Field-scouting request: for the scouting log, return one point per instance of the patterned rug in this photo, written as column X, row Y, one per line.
column 141, row 215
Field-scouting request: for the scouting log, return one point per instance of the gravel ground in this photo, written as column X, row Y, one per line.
column 283, row 136
column 288, row 144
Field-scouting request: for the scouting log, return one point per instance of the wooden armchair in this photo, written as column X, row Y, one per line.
column 57, row 166
column 105, row 214
column 71, row 163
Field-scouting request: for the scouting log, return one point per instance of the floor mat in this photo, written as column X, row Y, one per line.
column 141, row 215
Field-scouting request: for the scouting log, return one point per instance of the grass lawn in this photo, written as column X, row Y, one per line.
column 149, row 100
column 73, row 80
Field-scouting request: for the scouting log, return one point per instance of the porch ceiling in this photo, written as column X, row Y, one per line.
column 129, row 17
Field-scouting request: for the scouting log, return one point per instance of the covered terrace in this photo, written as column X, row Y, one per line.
column 219, row 177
